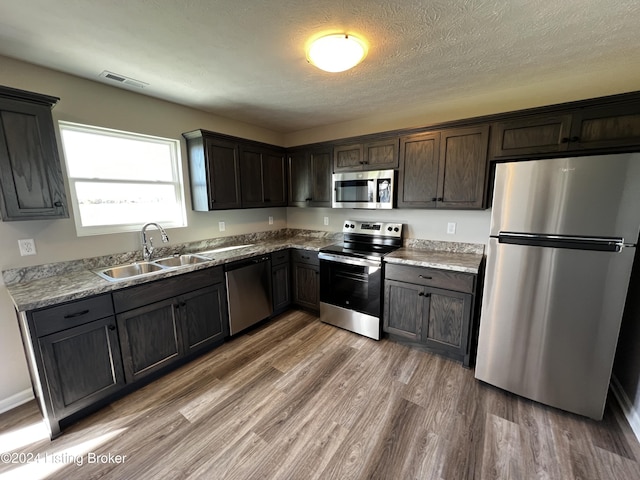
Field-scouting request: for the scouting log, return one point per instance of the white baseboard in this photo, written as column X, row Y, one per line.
column 632, row 414
column 16, row 400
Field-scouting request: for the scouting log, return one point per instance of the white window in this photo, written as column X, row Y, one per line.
column 120, row 180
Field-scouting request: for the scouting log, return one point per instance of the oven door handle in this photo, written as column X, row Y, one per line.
column 361, row 262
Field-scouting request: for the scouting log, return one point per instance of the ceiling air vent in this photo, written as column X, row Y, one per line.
column 122, row 79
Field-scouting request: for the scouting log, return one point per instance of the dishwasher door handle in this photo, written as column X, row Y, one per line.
column 245, row 263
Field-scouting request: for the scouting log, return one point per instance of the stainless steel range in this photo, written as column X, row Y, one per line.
column 351, row 276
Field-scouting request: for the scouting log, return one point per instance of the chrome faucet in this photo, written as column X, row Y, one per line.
column 147, row 246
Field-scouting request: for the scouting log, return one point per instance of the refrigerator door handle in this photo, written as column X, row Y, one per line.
column 601, row 244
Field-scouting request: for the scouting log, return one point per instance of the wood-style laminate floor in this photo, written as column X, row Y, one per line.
column 298, row 399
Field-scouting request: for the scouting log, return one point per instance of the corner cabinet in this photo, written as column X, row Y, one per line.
column 310, row 177
column 444, row 169
column 229, row 172
column 31, row 184
column 430, row 308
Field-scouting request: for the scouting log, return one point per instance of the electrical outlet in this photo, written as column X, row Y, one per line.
column 27, row 246
column 221, row 226
column 451, row 228
column 270, row 220
column 326, row 220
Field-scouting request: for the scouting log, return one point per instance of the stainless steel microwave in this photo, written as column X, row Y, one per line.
column 372, row 189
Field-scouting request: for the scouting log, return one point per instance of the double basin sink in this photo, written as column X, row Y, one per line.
column 139, row 269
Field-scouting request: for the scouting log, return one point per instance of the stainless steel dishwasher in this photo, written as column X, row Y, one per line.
column 248, row 292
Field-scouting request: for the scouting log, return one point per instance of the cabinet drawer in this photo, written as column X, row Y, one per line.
column 278, row 258
column 54, row 319
column 305, row 256
column 432, row 277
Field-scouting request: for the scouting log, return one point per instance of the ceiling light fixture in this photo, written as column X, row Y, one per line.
column 336, row 52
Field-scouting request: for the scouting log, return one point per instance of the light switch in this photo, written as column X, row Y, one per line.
column 221, row 226
column 451, row 228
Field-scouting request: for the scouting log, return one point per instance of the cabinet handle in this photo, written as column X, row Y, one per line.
column 564, row 140
column 421, row 294
column 57, row 204
column 440, row 199
column 574, row 139
column 77, row 314
column 308, row 199
column 183, row 304
column 176, row 305
column 112, row 327
column 426, row 278
column 434, row 199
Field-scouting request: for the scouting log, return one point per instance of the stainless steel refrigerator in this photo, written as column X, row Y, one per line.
column 561, row 248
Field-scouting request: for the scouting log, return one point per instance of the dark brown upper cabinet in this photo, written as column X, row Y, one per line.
column 228, row 172
column 373, row 155
column 418, row 176
column 214, row 171
column 608, row 126
column 262, row 178
column 531, row 135
column 310, row 177
column 463, row 167
column 31, row 182
column 445, row 169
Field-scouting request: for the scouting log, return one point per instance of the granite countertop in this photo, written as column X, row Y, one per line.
column 466, row 262
column 82, row 282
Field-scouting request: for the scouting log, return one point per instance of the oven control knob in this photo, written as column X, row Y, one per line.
column 353, row 226
column 346, row 225
column 389, row 228
column 396, row 229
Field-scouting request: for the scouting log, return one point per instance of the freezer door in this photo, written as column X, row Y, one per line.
column 550, row 321
column 582, row 196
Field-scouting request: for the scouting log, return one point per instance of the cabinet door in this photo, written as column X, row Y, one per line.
column 448, row 320
column 31, row 184
column 299, row 179
column 418, row 178
column 281, row 286
column 531, row 135
column 381, row 155
column 204, row 317
column 223, row 177
column 306, row 286
column 150, row 338
column 608, row 126
column 321, row 187
column 274, row 178
column 82, row 365
column 463, row 167
column 251, row 178
column 403, row 309
column 347, row 158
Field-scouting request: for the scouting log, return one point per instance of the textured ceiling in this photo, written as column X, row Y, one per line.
column 245, row 59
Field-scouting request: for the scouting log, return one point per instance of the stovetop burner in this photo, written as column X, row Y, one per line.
column 371, row 240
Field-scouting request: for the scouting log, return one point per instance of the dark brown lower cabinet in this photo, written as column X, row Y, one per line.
column 280, row 280
column 82, row 364
column 306, row 279
column 156, row 335
column 436, row 319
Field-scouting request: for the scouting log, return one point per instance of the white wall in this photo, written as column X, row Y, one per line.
column 93, row 103
column 472, row 226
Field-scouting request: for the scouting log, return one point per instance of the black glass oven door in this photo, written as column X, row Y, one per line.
column 354, row 287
